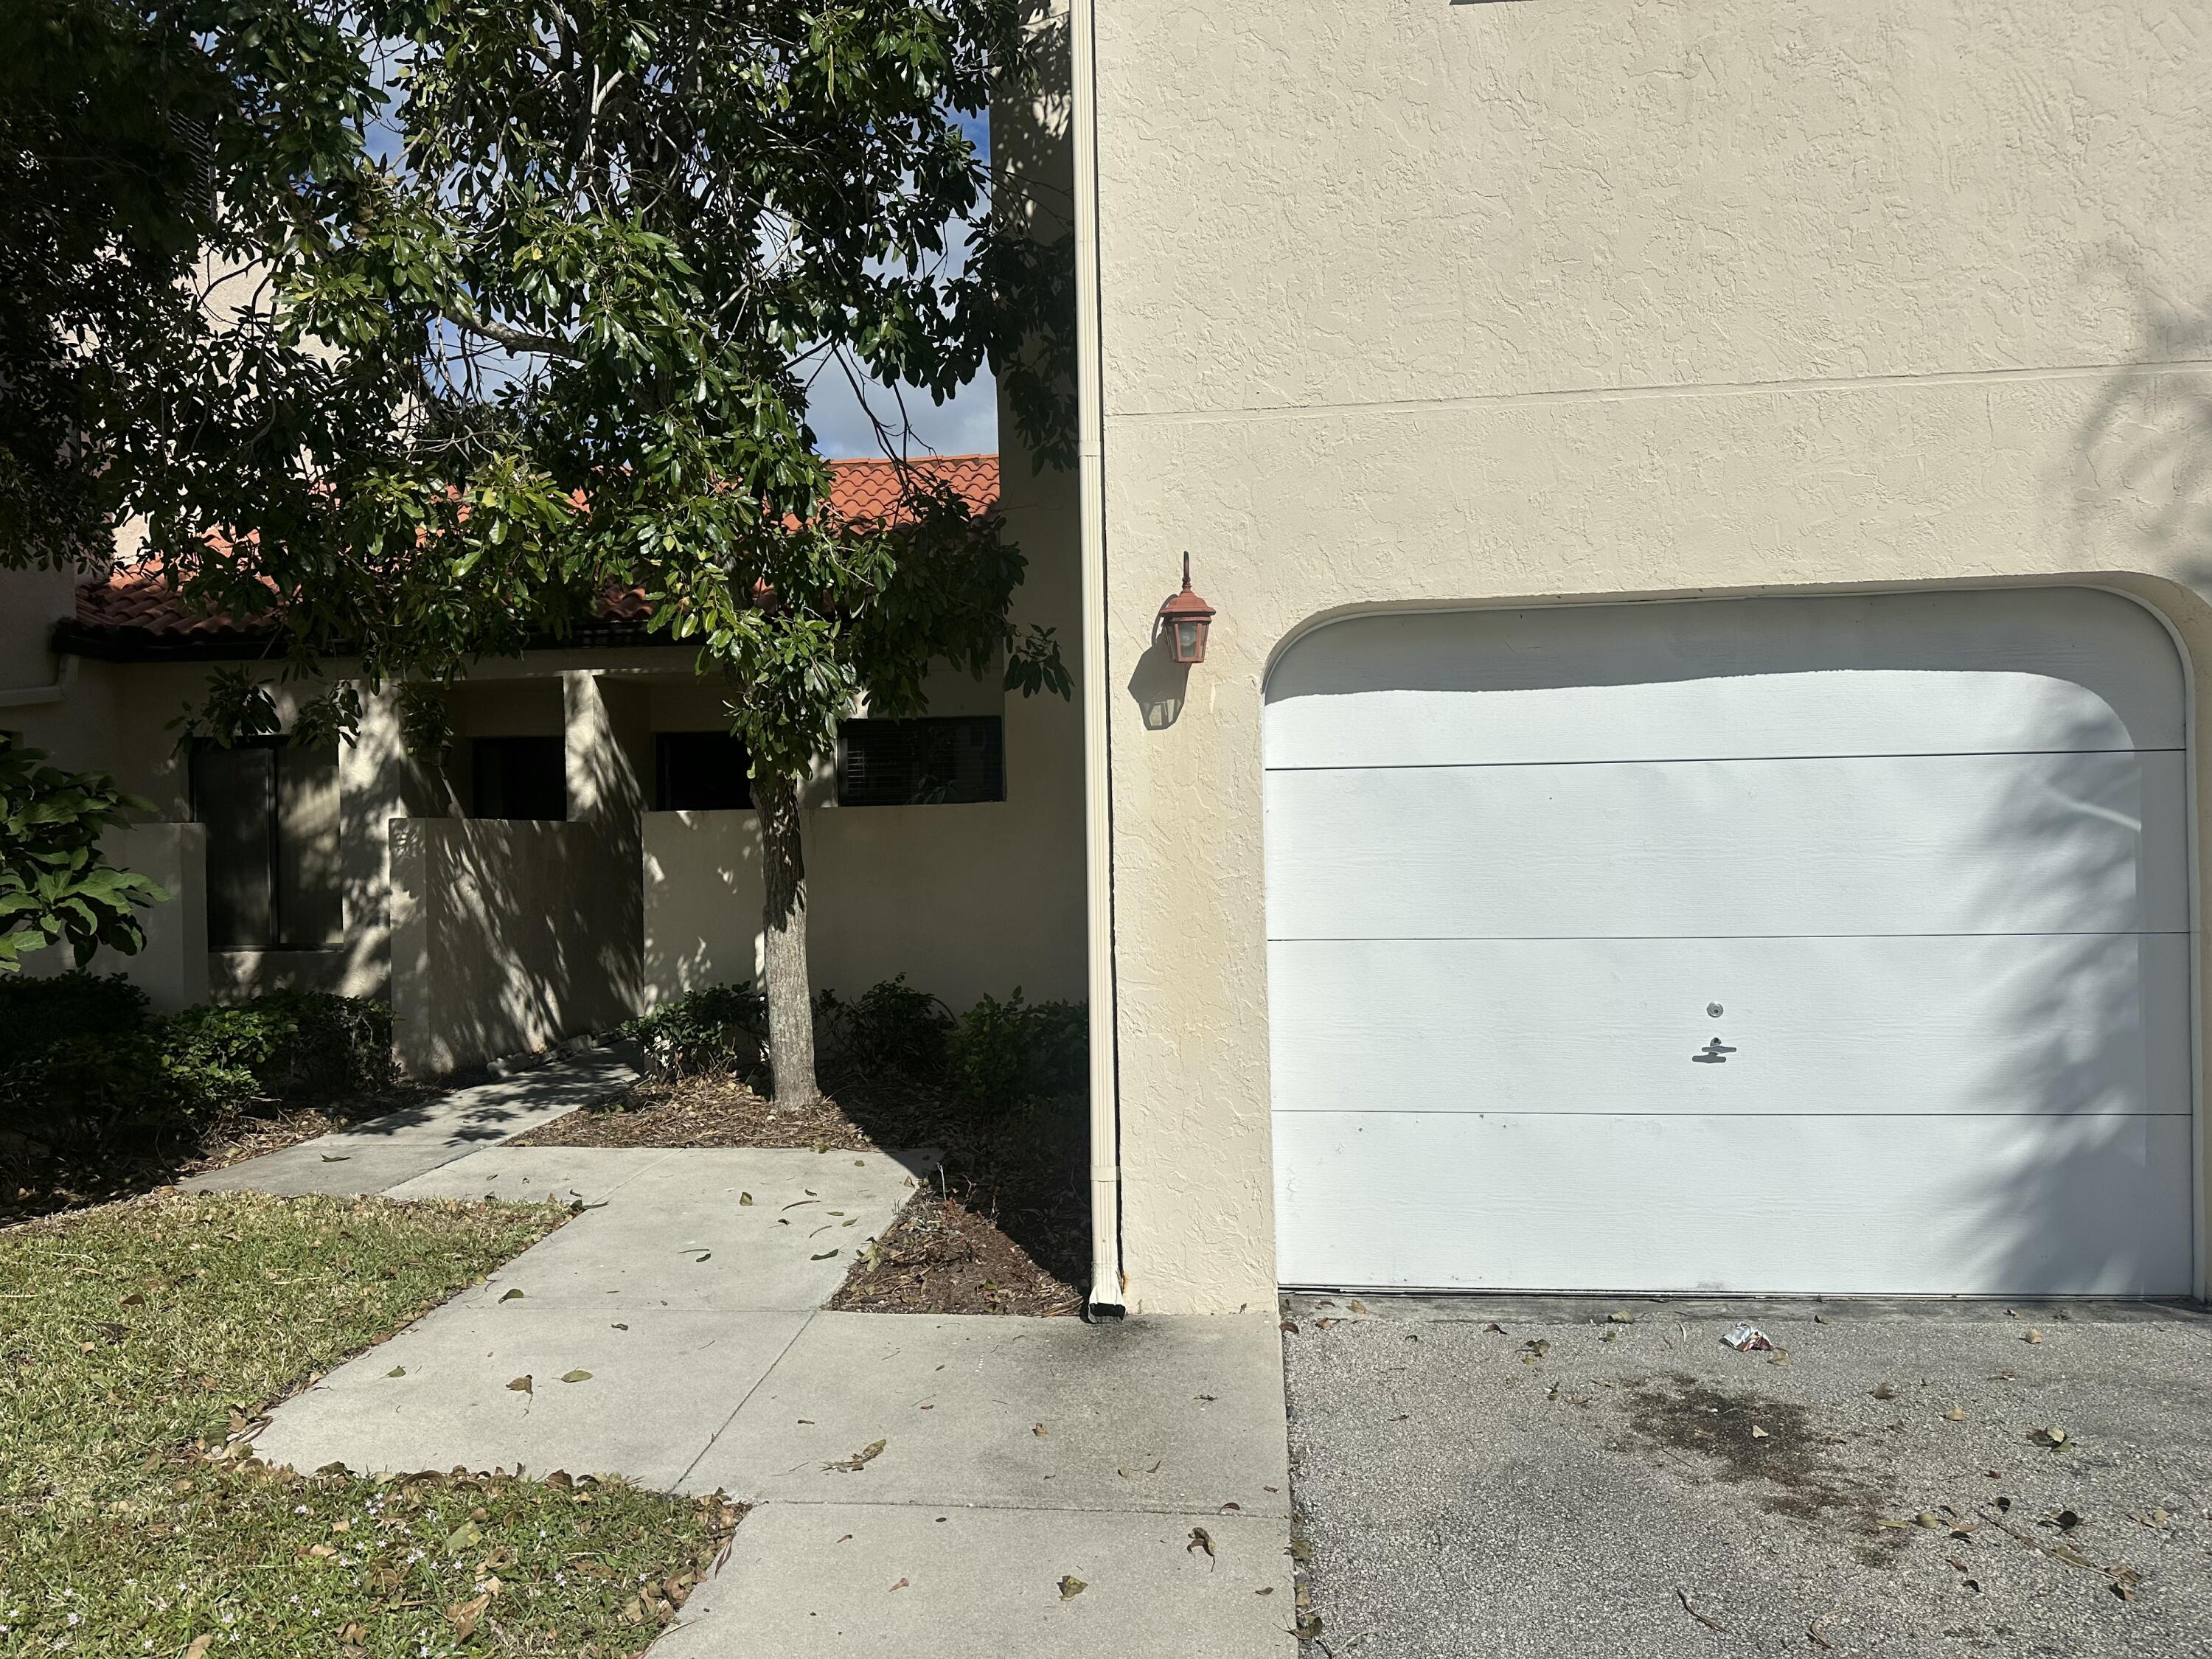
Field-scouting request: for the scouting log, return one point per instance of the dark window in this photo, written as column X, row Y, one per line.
column 518, row 778
column 924, row 763
column 271, row 814
column 700, row 772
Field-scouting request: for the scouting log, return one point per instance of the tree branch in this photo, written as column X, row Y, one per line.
column 514, row 339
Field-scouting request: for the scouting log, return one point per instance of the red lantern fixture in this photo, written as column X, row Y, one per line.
column 1186, row 618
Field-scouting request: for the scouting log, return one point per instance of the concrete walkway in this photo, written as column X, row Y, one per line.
column 1015, row 1452
column 379, row 1155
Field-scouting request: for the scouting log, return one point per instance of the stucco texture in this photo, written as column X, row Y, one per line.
column 1428, row 304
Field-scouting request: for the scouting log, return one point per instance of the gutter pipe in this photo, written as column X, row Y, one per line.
column 1108, row 1292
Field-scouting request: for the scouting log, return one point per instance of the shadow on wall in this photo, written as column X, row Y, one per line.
column 2096, row 1196
column 1159, row 684
column 507, row 936
column 2141, row 470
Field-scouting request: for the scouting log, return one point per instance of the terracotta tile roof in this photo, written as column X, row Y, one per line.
column 133, row 604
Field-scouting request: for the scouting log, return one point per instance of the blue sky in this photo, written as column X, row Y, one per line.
column 966, row 424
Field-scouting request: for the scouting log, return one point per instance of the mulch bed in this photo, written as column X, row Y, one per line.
column 1002, row 1227
column 47, row 1185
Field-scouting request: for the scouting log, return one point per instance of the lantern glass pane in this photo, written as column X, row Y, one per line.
column 1187, row 639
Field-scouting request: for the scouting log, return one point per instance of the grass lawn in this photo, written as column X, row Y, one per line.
column 140, row 1341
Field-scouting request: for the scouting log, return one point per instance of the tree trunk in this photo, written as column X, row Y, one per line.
column 790, row 994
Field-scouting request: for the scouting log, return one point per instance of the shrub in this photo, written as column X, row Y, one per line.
column 35, row 1014
column 717, row 1028
column 287, row 1045
column 1005, row 1053
column 85, row 1062
column 890, row 1028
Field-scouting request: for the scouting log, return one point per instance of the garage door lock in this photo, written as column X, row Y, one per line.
column 1715, row 1052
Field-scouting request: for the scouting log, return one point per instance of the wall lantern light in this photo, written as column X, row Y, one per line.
column 1186, row 618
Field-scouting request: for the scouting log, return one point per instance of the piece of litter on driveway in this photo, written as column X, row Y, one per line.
column 1749, row 1339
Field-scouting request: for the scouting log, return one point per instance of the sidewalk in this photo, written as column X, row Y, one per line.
column 379, row 1155
column 1015, row 1453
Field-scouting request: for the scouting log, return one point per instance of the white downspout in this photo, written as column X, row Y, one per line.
column 1107, row 1294
column 30, row 696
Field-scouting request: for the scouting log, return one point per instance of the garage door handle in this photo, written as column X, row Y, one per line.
column 1715, row 1052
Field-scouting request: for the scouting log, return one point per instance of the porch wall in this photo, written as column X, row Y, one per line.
column 957, row 898
column 173, row 969
column 506, row 937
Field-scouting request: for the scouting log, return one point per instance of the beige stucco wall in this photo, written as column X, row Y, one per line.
column 171, row 968
column 1412, row 303
column 500, row 938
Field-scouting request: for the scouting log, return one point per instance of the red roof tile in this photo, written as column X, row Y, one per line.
column 134, row 602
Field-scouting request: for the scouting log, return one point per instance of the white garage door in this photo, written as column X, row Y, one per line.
column 1830, row 944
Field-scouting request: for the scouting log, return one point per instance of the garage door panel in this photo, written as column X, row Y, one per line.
column 1888, row 674
column 1968, row 1025
column 1924, row 844
column 2084, row 1205
column 1928, row 854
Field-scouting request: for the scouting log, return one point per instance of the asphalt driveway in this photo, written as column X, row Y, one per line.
column 1497, row 1476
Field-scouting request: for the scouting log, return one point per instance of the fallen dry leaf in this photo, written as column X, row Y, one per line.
column 1071, row 1587
column 2033, row 1336
column 899, row 1586
column 1956, row 1414
column 521, row 1385
column 200, row 1645
column 462, row 1616
column 1200, row 1539
column 575, row 1377
column 744, row 1199
column 513, row 1295
column 1683, row 1596
column 1884, row 1391
column 860, row 1459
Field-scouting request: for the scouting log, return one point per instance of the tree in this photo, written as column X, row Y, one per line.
column 527, row 309
column 124, row 128
column 55, row 886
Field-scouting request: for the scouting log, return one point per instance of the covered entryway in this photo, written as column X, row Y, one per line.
column 1820, row 945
